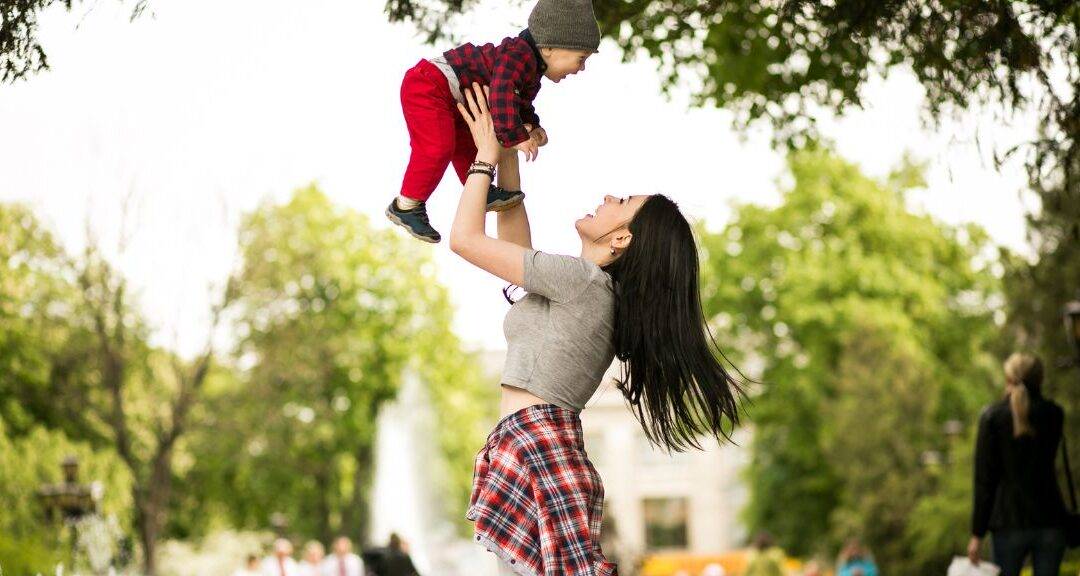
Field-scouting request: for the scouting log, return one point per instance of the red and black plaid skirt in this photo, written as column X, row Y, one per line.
column 537, row 501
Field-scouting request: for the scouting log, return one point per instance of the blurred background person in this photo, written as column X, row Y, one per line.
column 766, row 559
column 813, row 568
column 714, row 569
column 251, row 567
column 342, row 562
column 856, row 560
column 311, row 565
column 397, row 562
column 280, row 562
column 1016, row 491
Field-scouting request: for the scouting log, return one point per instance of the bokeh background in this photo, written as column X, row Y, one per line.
column 201, row 300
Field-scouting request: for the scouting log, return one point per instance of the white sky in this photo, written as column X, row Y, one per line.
column 202, row 109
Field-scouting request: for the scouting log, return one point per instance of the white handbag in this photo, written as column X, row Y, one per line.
column 961, row 566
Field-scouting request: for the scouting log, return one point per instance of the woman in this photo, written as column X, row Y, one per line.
column 632, row 293
column 1016, row 491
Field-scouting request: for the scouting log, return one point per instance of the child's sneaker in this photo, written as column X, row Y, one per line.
column 499, row 199
column 414, row 220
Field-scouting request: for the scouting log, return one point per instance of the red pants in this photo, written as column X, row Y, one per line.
column 437, row 133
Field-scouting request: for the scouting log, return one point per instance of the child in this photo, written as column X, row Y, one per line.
column 561, row 35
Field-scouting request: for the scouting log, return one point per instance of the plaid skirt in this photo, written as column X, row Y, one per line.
column 536, row 500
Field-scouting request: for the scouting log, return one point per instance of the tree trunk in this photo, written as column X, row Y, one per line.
column 152, row 500
column 360, row 508
column 323, row 506
column 148, row 531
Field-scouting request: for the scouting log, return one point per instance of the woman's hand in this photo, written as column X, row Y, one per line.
column 973, row 550
column 476, row 115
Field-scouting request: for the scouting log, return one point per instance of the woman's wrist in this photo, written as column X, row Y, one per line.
column 488, row 156
column 481, row 167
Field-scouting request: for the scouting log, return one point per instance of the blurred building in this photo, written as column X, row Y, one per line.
column 660, row 502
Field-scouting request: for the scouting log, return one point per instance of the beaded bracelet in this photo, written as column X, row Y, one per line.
column 488, row 173
column 482, row 163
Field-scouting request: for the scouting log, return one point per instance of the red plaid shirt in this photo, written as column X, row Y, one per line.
column 537, row 501
column 513, row 70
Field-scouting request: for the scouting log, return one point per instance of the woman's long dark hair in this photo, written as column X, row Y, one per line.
column 672, row 378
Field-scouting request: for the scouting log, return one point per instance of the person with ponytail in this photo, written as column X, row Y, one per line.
column 632, row 293
column 1016, row 491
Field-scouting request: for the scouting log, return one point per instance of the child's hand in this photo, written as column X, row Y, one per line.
column 539, row 135
column 530, row 149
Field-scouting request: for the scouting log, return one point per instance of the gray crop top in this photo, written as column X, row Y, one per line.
column 559, row 336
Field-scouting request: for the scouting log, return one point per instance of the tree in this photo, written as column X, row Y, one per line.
column 82, row 364
column 872, row 327
column 881, row 423
column 783, row 61
column 139, row 397
column 37, row 292
column 331, row 314
column 31, row 459
column 21, row 54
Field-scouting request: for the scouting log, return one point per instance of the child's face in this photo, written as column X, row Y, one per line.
column 563, row 62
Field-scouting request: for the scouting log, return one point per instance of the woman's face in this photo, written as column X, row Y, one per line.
column 613, row 214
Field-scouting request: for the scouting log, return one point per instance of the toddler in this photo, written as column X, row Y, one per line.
column 562, row 34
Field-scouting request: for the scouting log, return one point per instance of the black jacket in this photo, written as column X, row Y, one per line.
column 1015, row 483
column 398, row 563
column 388, row 562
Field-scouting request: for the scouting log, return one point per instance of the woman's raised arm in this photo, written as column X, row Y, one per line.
column 468, row 238
column 513, row 223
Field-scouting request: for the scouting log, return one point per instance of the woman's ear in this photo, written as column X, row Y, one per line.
column 621, row 241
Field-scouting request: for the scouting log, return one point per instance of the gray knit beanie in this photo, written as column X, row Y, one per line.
column 565, row 24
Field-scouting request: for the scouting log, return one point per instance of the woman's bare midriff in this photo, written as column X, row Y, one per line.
column 514, row 399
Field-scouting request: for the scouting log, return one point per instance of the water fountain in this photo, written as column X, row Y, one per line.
column 97, row 542
column 406, row 497
column 94, row 538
